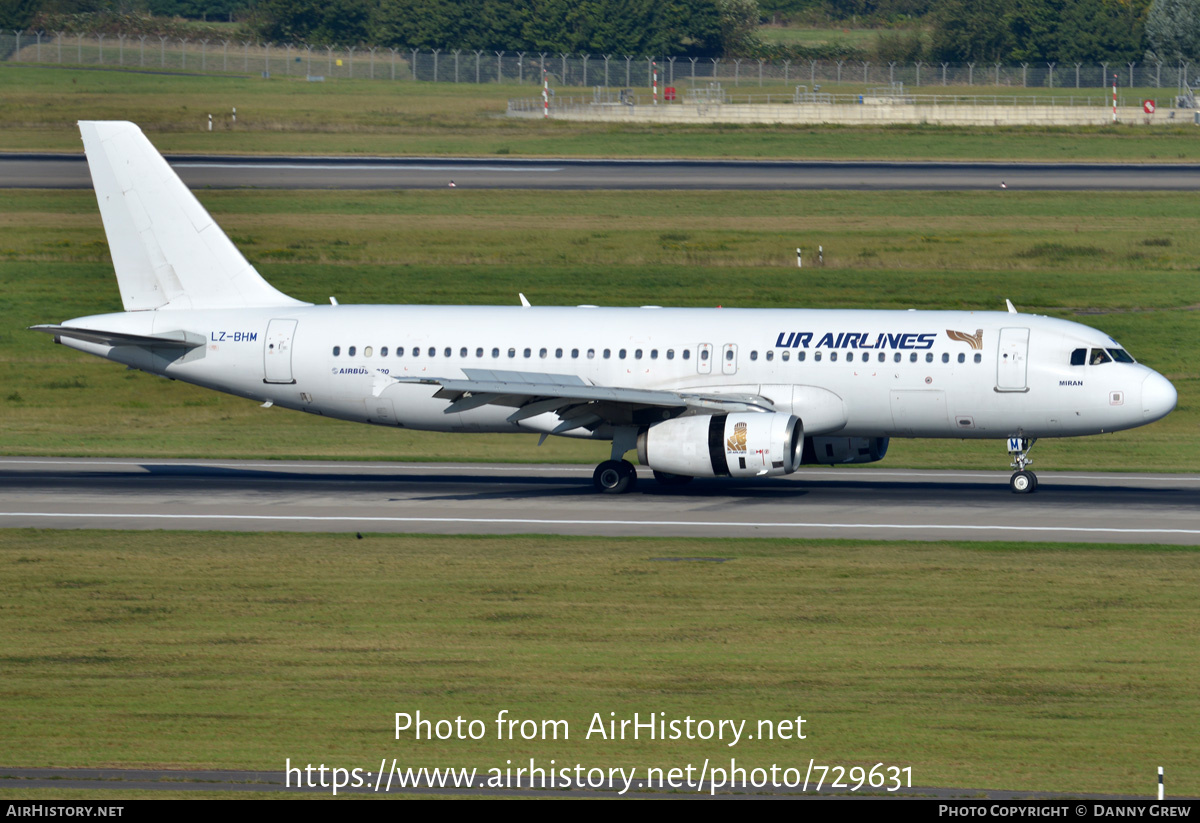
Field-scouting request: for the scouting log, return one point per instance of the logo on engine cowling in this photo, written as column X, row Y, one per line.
column 736, row 444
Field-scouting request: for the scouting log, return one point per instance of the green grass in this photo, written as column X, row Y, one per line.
column 288, row 116
column 1125, row 263
column 989, row 665
column 807, row 36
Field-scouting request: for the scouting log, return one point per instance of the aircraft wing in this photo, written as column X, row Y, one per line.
column 576, row 402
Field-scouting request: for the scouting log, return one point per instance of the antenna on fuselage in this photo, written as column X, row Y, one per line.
column 1011, row 308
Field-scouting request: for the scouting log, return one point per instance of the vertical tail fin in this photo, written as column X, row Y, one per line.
column 167, row 251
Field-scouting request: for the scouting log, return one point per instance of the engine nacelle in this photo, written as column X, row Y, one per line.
column 835, row 450
column 746, row 444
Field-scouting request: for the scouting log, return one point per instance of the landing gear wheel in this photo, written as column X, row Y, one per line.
column 668, row 479
column 1023, row 482
column 615, row 477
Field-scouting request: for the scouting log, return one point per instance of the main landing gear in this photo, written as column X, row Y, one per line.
column 615, row 477
column 1022, row 481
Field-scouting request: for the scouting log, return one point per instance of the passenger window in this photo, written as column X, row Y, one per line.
column 416, row 351
column 753, row 355
column 786, row 355
column 1079, row 357
column 833, row 357
column 351, row 351
column 945, row 357
column 495, row 352
column 607, row 353
column 687, row 354
column 799, row 357
column 771, row 354
column 383, row 352
column 670, row 354
column 462, row 352
column 962, row 358
column 558, row 353
column 654, row 354
column 929, row 357
column 816, row 356
column 621, row 354
column 337, row 350
column 542, row 353
column 896, row 357
column 704, row 354
column 512, row 353
column 728, row 355
column 912, row 358
column 528, row 352
column 447, row 351
column 591, row 354
column 399, row 351
column 574, row 354
column 368, row 351
column 979, row 358
column 1099, row 356
column 637, row 354
column 479, row 352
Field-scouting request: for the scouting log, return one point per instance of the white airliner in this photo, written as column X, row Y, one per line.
column 696, row 392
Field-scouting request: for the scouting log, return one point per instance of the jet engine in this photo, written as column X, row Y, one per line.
column 746, row 444
column 834, row 450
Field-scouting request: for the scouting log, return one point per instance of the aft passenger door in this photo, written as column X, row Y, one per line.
column 277, row 352
column 1012, row 360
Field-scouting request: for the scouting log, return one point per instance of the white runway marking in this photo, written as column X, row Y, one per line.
column 648, row 524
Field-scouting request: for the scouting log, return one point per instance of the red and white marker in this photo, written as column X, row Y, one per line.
column 546, row 95
column 655, row 85
column 1148, row 107
column 1114, row 98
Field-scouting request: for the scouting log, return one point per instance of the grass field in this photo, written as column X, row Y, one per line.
column 285, row 116
column 1062, row 667
column 1124, row 263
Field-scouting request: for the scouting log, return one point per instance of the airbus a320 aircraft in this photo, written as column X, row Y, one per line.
column 696, row 392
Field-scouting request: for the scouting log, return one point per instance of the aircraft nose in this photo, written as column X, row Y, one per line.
column 1158, row 397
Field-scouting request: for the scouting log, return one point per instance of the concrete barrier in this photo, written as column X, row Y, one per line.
column 878, row 113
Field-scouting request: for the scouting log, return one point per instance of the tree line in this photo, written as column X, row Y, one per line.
column 1006, row 31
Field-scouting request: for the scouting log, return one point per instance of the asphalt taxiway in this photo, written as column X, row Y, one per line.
column 815, row 502
column 49, row 171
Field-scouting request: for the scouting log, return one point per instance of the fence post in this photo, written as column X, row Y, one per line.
column 1050, row 76
column 99, row 41
column 866, row 64
column 628, row 69
column 918, row 83
column 413, row 64
column 436, row 52
column 500, row 65
column 350, row 60
column 563, row 80
column 204, row 54
column 1103, row 75
column 716, row 61
column 944, row 74
column 737, row 70
column 287, row 59
column 394, row 52
column 267, row 58
column 478, row 58
column 1131, row 65
column 840, row 63
column 521, row 67
column 970, row 74
column 760, row 71
column 670, row 60
column 693, row 59
column 120, row 50
column 39, row 46
column 1024, row 75
column 183, row 51
column 607, row 57
column 245, row 55
column 1157, row 75
column 812, row 73
column 162, row 51
column 997, row 74
column 892, row 74
column 1077, row 65
column 79, row 47
column 585, row 59
column 17, row 53
column 59, row 38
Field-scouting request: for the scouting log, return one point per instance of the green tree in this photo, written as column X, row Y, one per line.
column 1171, row 30
column 964, row 30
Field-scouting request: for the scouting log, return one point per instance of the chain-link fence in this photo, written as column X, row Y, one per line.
column 207, row 56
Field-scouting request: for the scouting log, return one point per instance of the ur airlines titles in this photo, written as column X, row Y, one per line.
column 696, row 392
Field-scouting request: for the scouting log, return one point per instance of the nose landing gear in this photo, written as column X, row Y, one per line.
column 1022, row 481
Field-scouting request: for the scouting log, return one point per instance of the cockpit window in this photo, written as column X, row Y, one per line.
column 1121, row 356
column 1099, row 356
column 1079, row 357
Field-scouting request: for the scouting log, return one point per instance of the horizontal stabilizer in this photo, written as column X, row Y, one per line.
column 166, row 340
